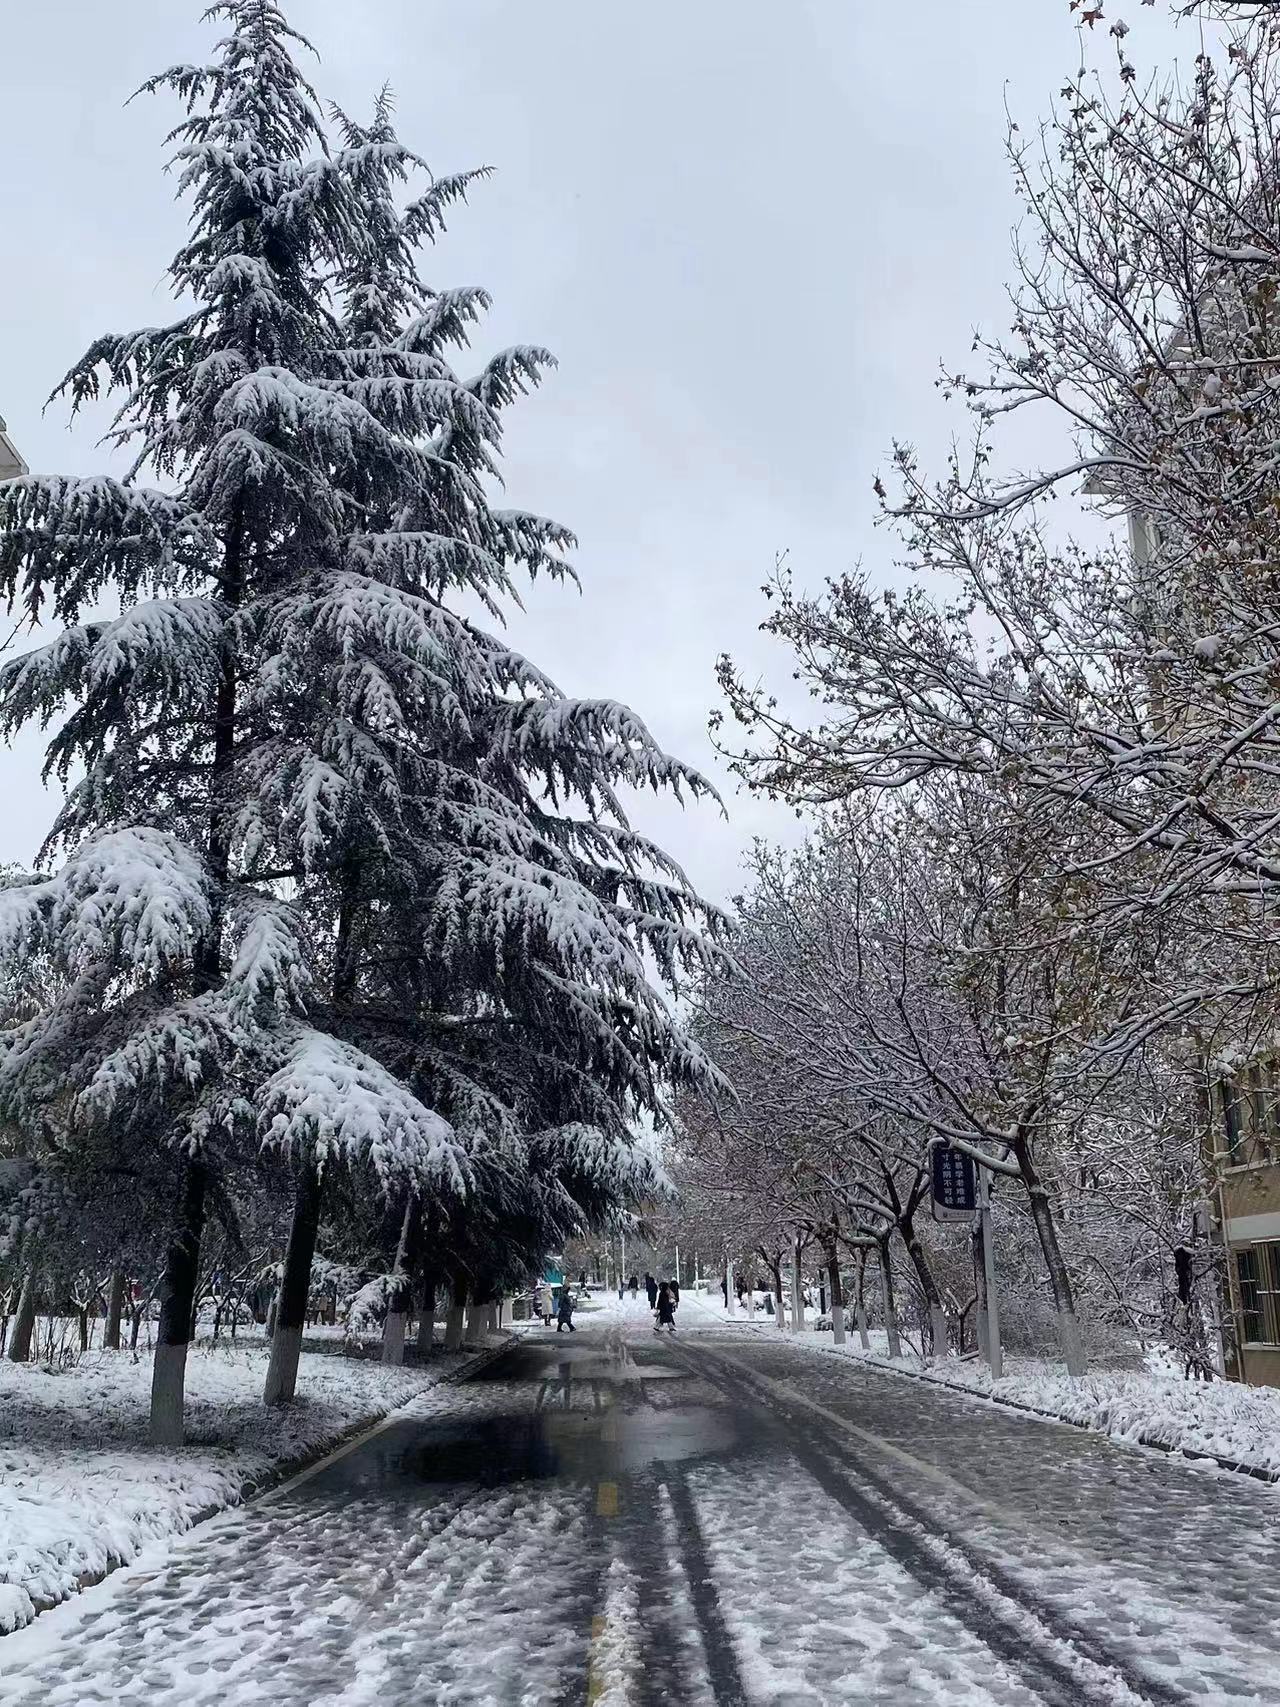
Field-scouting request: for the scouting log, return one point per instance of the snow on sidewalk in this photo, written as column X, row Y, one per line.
column 81, row 1491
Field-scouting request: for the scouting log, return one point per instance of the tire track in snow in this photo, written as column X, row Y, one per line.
column 1065, row 1664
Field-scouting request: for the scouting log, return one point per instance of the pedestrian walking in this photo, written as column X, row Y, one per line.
column 546, row 1303
column 724, row 1287
column 565, row 1318
column 666, row 1310
column 675, row 1292
column 634, row 1284
column 651, row 1287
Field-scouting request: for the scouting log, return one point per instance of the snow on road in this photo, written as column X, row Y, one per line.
column 719, row 1518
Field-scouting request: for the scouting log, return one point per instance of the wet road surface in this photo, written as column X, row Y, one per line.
column 618, row 1519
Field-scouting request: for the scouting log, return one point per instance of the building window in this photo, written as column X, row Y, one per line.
column 1233, row 1120
column 1258, row 1277
column 1250, row 1110
column 1251, row 1320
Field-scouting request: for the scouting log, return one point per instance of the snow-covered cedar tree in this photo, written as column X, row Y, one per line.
column 337, row 859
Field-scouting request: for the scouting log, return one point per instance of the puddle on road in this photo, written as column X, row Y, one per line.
column 589, row 1422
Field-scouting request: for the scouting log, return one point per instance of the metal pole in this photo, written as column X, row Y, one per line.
column 677, row 1265
column 994, row 1348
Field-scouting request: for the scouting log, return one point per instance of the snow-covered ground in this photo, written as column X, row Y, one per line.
column 81, row 1491
column 722, row 1516
column 1152, row 1407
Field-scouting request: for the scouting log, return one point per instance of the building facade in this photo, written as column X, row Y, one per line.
column 11, row 464
column 1247, row 1165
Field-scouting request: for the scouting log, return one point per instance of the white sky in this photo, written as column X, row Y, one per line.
column 747, row 229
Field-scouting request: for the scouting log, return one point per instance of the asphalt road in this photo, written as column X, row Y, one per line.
column 619, row 1519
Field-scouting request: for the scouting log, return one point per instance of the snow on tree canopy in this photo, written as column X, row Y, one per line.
column 132, row 896
column 333, row 1101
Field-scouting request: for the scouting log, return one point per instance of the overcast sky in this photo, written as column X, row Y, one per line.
column 747, row 228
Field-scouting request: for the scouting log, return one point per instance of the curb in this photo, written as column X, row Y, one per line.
column 283, row 1471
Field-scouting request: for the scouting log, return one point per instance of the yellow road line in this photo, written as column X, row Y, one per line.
column 595, row 1683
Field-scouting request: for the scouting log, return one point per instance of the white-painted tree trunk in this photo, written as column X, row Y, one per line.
column 477, row 1323
column 751, row 1303
column 797, row 1295
column 1072, row 1344
column 167, row 1379
column 282, row 1366
column 393, row 1332
column 890, row 1308
column 24, row 1320
column 731, row 1297
column 453, row 1328
column 938, row 1325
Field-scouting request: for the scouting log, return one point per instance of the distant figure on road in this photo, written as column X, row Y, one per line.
column 634, row 1284
column 651, row 1287
column 546, row 1303
column 582, row 1279
column 565, row 1318
column 666, row 1310
column 724, row 1287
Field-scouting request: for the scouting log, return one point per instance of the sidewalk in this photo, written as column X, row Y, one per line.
column 1235, row 1427
column 82, row 1492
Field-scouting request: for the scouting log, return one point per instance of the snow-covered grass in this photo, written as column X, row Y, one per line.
column 81, row 1491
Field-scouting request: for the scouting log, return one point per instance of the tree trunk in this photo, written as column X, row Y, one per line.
column 887, row 1298
column 400, row 1296
column 295, row 1287
column 454, row 1319
column 928, row 1285
column 1063, row 1295
column 82, row 1321
column 980, row 1290
column 860, row 1301
column 427, row 1318
column 779, row 1305
column 24, row 1320
column 797, row 1292
column 178, row 1286
column 477, row 1322
column 837, row 1296
column 177, row 1301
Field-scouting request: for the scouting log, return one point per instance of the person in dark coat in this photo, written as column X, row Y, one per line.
column 666, row 1310
column 651, row 1287
column 673, row 1287
column 634, row 1283
column 724, row 1287
column 564, row 1318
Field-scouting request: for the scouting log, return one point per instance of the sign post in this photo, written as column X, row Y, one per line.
column 995, row 1351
